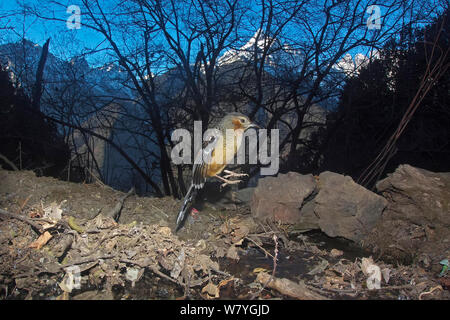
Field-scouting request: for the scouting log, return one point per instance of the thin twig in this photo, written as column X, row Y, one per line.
column 115, row 212
column 430, row 291
column 275, row 258
column 267, row 253
column 434, row 72
column 86, row 260
column 24, row 203
column 9, row 162
column 153, row 206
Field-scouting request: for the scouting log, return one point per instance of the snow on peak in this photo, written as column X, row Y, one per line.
column 245, row 52
column 351, row 66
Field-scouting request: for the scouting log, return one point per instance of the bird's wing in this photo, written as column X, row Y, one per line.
column 199, row 175
column 201, row 162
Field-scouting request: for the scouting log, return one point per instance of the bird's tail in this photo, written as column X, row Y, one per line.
column 187, row 201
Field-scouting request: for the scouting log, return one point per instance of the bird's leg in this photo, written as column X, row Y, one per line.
column 231, row 174
column 226, row 181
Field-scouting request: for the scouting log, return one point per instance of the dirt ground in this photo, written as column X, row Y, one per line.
column 62, row 240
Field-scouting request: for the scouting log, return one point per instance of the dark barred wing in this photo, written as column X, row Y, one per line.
column 201, row 162
column 198, row 176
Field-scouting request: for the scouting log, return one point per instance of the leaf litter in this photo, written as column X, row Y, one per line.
column 58, row 240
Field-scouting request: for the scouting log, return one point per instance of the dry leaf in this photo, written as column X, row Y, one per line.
column 386, row 272
column 212, row 291
column 220, row 252
column 232, row 253
column 258, row 270
column 238, row 242
column 240, row 232
column 41, row 241
column 373, row 273
column 35, row 213
column 165, row 231
column 225, row 282
column 336, row 253
column 205, row 263
column 46, row 225
column 319, row 268
column 53, row 211
column 179, row 265
column 63, row 296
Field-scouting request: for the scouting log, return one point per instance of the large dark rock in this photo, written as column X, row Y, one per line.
column 231, row 199
column 280, row 198
column 418, row 196
column 411, row 220
column 335, row 204
column 416, row 222
column 346, row 209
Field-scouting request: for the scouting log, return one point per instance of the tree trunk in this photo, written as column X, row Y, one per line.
column 37, row 88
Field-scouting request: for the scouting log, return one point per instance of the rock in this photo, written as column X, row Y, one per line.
column 308, row 219
column 231, row 199
column 417, row 218
column 280, row 198
column 346, row 209
column 336, row 204
column 417, row 195
column 244, row 195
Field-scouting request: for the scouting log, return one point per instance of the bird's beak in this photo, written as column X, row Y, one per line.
column 253, row 125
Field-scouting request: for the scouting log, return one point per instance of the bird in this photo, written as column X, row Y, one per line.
column 216, row 153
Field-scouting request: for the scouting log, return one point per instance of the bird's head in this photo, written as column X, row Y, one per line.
column 236, row 121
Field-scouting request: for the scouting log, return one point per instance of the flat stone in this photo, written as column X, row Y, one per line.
column 280, row 198
column 346, row 209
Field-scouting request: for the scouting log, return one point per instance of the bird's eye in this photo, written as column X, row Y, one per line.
column 242, row 120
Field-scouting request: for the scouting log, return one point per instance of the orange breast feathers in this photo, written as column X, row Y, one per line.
column 214, row 169
column 225, row 150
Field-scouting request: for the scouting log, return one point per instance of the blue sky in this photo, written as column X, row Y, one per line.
column 38, row 31
column 65, row 42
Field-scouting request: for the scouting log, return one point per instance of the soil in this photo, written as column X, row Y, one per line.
column 63, row 240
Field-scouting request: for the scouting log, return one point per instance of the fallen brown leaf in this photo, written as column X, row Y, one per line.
column 211, row 290
column 35, row 213
column 225, row 282
column 41, row 241
column 232, row 253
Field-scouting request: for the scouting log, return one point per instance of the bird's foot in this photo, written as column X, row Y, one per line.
column 229, row 182
column 226, row 182
column 231, row 174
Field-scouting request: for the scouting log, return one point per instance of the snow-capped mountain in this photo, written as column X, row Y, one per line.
column 282, row 58
column 277, row 53
column 351, row 66
column 284, row 61
column 246, row 52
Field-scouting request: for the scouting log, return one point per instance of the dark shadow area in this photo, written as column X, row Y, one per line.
column 26, row 139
